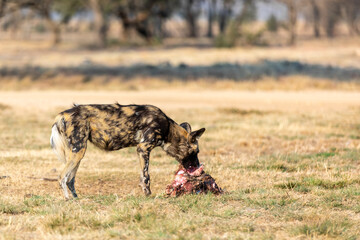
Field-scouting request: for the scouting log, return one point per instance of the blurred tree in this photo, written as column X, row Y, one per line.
column 45, row 8
column 145, row 16
column 191, row 10
column 66, row 9
column 350, row 11
column 331, row 13
column 272, row 23
column 162, row 10
column 211, row 15
column 315, row 17
column 248, row 11
column 327, row 14
column 2, row 7
column 101, row 10
column 225, row 14
column 292, row 7
column 233, row 31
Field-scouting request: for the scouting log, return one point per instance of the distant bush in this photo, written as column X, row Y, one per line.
column 40, row 28
column 254, row 38
column 223, row 41
column 227, row 39
column 272, row 24
column 245, row 36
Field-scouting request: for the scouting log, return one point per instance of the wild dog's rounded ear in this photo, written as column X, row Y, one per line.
column 194, row 136
column 186, row 126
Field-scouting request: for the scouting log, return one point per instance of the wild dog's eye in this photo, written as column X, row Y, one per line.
column 193, row 140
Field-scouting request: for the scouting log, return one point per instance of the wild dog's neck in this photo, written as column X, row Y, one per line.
column 176, row 144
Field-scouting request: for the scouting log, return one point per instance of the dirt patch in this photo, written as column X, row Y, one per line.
column 107, row 185
column 4, row 107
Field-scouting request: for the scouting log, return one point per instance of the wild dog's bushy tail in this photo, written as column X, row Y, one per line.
column 57, row 139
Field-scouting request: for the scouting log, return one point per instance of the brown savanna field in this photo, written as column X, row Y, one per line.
column 284, row 146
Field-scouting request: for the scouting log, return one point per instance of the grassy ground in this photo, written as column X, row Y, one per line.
column 288, row 158
column 289, row 162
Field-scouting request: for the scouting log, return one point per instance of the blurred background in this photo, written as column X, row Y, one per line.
column 143, row 44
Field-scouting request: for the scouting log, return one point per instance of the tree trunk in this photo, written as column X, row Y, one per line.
column 44, row 9
column 100, row 22
column 140, row 23
column 142, row 28
column 224, row 16
column 332, row 17
column 15, row 21
column 349, row 12
column 2, row 7
column 191, row 19
column 122, row 15
column 158, row 27
column 292, row 21
column 56, row 31
column 211, row 4
column 316, row 16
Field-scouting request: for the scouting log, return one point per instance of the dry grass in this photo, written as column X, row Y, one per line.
column 289, row 162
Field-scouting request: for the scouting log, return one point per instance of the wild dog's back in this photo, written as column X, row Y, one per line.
column 112, row 126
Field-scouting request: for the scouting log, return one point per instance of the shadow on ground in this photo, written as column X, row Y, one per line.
column 166, row 71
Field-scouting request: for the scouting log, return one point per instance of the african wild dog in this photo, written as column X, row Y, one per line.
column 112, row 127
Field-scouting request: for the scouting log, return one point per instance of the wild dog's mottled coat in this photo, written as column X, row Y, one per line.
column 115, row 126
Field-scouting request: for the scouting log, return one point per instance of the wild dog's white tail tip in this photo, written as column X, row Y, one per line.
column 57, row 143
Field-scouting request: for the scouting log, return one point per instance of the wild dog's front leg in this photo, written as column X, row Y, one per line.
column 143, row 150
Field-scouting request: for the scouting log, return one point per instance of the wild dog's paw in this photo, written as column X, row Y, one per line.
column 147, row 191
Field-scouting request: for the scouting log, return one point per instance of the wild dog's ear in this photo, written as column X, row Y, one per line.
column 186, row 126
column 194, row 136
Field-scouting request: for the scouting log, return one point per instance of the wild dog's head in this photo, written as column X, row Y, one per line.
column 183, row 145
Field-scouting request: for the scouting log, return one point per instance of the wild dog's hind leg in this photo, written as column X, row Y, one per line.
column 67, row 176
column 143, row 150
column 71, row 183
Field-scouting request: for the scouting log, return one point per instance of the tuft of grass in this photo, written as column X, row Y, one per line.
column 351, row 154
column 305, row 183
column 13, row 209
column 242, row 112
column 276, row 167
column 106, row 200
column 326, row 184
column 198, row 203
column 271, row 203
column 36, row 201
column 324, row 155
column 62, row 223
column 96, row 223
column 292, row 185
column 329, row 228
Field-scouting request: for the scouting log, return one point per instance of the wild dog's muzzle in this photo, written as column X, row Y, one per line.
column 191, row 161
